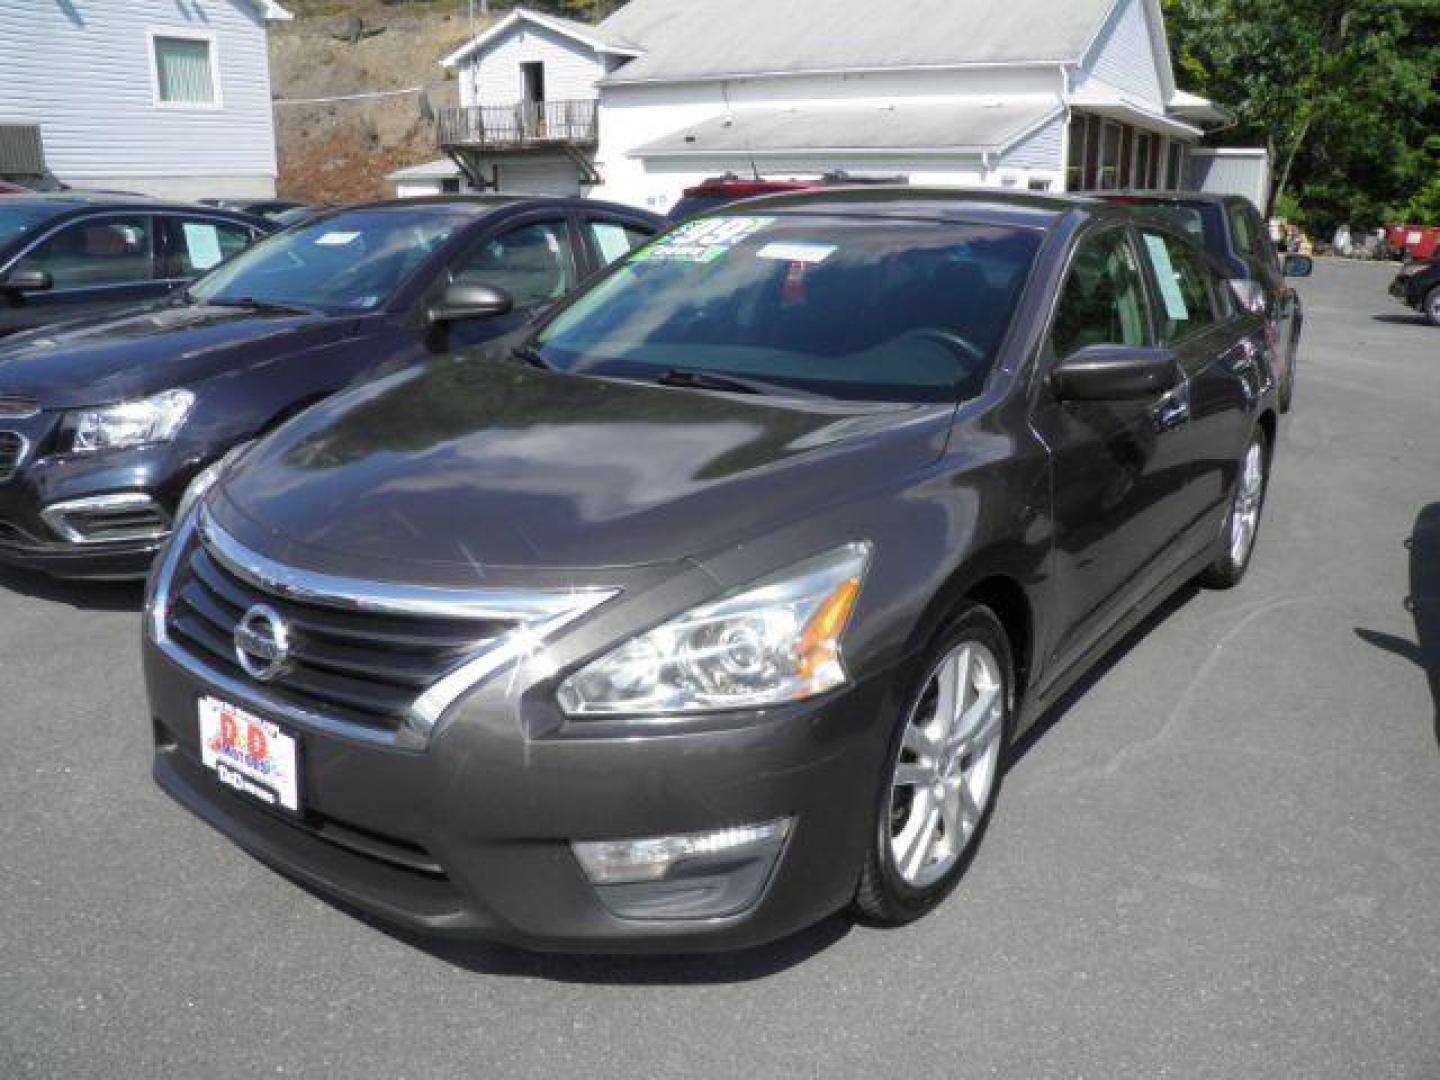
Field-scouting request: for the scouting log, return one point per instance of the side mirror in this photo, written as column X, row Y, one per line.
column 29, row 281
column 1298, row 266
column 1250, row 294
column 471, row 302
column 1115, row 373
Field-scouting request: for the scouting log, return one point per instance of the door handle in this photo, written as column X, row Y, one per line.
column 1173, row 409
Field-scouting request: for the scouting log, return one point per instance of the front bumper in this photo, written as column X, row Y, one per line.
column 1400, row 290
column 34, row 536
column 470, row 836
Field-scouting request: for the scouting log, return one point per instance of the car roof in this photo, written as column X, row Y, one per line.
column 985, row 205
column 479, row 205
column 1181, row 198
column 68, row 201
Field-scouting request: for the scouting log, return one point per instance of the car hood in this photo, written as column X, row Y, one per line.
column 146, row 349
column 476, row 464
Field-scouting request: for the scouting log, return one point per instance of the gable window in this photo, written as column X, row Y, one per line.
column 184, row 70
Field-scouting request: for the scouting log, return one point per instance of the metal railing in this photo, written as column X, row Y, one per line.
column 524, row 124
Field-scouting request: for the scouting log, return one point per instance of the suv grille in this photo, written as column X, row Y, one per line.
column 362, row 667
column 12, row 449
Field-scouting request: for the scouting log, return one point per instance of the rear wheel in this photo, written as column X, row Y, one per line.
column 1242, row 524
column 1432, row 306
column 1287, row 389
column 943, row 772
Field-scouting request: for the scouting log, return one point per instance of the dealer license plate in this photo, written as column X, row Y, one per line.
column 250, row 754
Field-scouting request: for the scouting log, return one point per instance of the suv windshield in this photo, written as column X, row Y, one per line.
column 350, row 261
column 16, row 221
column 856, row 308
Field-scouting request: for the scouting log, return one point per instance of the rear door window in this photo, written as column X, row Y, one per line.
column 1103, row 302
column 95, row 252
column 1187, row 304
column 200, row 244
column 613, row 240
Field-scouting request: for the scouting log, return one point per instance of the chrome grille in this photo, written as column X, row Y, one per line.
column 14, row 407
column 12, row 451
column 361, row 667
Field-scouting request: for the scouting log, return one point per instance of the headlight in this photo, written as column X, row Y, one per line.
column 130, row 423
column 777, row 641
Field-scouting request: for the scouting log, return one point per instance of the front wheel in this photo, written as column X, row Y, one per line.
column 1432, row 306
column 1242, row 524
column 943, row 772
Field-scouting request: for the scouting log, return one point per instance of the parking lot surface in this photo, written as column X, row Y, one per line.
column 1221, row 858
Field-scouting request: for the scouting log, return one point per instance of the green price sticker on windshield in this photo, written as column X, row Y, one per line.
column 702, row 241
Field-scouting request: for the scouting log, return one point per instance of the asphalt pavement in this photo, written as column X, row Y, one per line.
column 1220, row 859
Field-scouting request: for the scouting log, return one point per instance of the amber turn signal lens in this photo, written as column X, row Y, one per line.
column 819, row 645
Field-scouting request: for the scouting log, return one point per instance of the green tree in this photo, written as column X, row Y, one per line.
column 1342, row 92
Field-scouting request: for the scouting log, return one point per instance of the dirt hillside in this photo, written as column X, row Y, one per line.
column 340, row 151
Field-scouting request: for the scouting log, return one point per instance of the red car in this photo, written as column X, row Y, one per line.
column 7, row 188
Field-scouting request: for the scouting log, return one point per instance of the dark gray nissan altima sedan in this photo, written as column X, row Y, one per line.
column 717, row 605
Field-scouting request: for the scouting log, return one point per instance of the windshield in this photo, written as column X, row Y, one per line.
column 16, row 221
column 857, row 308
column 350, row 261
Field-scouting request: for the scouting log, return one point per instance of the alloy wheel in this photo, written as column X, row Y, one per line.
column 949, row 756
column 1249, row 495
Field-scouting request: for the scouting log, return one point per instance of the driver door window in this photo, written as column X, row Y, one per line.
column 96, row 252
column 534, row 263
column 1103, row 302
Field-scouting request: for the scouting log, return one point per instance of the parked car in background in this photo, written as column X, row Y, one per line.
column 104, row 421
column 1418, row 286
column 1233, row 233
column 65, row 255
column 7, row 188
column 721, row 607
column 722, row 190
column 270, row 209
column 296, row 214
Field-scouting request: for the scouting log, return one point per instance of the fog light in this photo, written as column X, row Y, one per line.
column 689, row 876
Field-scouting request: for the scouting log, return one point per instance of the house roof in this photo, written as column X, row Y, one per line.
column 701, row 39
column 440, row 169
column 950, row 128
column 583, row 33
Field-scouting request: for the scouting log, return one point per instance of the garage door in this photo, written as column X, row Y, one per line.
column 540, row 178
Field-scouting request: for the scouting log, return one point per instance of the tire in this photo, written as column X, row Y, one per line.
column 1242, row 521
column 1287, row 390
column 1431, row 306
column 900, row 882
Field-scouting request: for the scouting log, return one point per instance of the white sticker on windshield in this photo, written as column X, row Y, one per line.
column 202, row 244
column 336, row 239
column 1169, row 280
column 796, row 252
column 702, row 241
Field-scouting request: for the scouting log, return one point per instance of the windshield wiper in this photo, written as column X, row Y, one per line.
column 705, row 380
column 255, row 304
column 530, row 355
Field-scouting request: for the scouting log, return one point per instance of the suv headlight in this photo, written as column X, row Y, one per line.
column 130, row 423
column 776, row 641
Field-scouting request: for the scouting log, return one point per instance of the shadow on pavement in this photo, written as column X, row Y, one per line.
column 1401, row 319
column 85, row 595
column 1423, row 603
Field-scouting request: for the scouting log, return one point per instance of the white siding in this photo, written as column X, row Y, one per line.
column 1042, row 151
column 83, row 71
column 631, row 116
column 1124, row 56
column 493, row 77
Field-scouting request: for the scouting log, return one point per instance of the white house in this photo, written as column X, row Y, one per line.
column 1040, row 94
column 162, row 97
